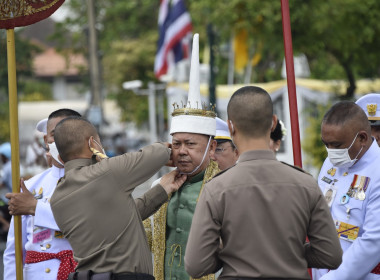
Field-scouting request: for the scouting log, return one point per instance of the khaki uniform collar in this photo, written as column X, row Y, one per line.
column 79, row 163
column 197, row 178
column 257, row 154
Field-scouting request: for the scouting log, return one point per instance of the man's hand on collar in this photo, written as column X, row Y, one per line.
column 172, row 181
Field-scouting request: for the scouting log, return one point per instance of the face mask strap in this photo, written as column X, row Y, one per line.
column 358, row 153
column 353, row 141
column 353, row 144
column 95, row 151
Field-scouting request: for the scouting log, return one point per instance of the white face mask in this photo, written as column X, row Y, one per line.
column 54, row 152
column 341, row 157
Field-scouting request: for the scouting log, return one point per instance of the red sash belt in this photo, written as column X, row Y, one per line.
column 67, row 265
column 376, row 270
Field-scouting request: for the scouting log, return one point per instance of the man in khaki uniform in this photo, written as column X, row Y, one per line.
column 93, row 204
column 253, row 219
column 192, row 128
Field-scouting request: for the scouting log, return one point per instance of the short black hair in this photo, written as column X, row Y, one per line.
column 277, row 134
column 71, row 136
column 251, row 110
column 345, row 112
column 63, row 113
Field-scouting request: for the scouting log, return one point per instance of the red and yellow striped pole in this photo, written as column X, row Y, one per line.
column 13, row 119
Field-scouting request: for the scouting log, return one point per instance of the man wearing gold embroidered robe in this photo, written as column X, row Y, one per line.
column 192, row 128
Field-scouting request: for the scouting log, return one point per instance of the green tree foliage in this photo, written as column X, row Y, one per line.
column 127, row 35
column 339, row 37
column 36, row 91
column 24, row 52
column 262, row 21
column 344, row 33
column 117, row 69
column 312, row 144
column 128, row 41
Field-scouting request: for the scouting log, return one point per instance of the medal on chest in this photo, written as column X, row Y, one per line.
column 330, row 191
column 331, row 171
column 357, row 189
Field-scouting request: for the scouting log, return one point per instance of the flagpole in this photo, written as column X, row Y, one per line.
column 13, row 117
column 291, row 83
column 212, row 94
column 231, row 64
column 297, row 159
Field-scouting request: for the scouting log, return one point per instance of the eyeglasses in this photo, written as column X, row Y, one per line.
column 220, row 150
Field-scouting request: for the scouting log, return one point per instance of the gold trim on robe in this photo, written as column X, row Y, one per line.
column 157, row 238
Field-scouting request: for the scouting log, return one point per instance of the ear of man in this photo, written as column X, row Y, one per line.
column 213, row 145
column 231, row 127
column 363, row 136
column 274, row 122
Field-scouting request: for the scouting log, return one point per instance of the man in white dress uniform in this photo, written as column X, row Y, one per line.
column 350, row 177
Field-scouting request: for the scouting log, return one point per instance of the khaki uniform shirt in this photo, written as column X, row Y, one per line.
column 94, row 208
column 253, row 221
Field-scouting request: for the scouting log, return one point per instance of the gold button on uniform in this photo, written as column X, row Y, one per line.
column 47, row 270
column 48, row 246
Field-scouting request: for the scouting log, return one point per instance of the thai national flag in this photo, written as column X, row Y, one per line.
column 174, row 24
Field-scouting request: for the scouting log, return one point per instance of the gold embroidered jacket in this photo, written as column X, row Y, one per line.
column 157, row 235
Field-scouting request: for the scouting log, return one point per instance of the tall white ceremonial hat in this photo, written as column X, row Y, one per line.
column 370, row 103
column 193, row 117
column 222, row 132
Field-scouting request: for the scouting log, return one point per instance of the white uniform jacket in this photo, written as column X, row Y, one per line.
column 358, row 220
column 39, row 233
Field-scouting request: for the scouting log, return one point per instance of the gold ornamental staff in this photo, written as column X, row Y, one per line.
column 13, row 120
column 14, row 14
